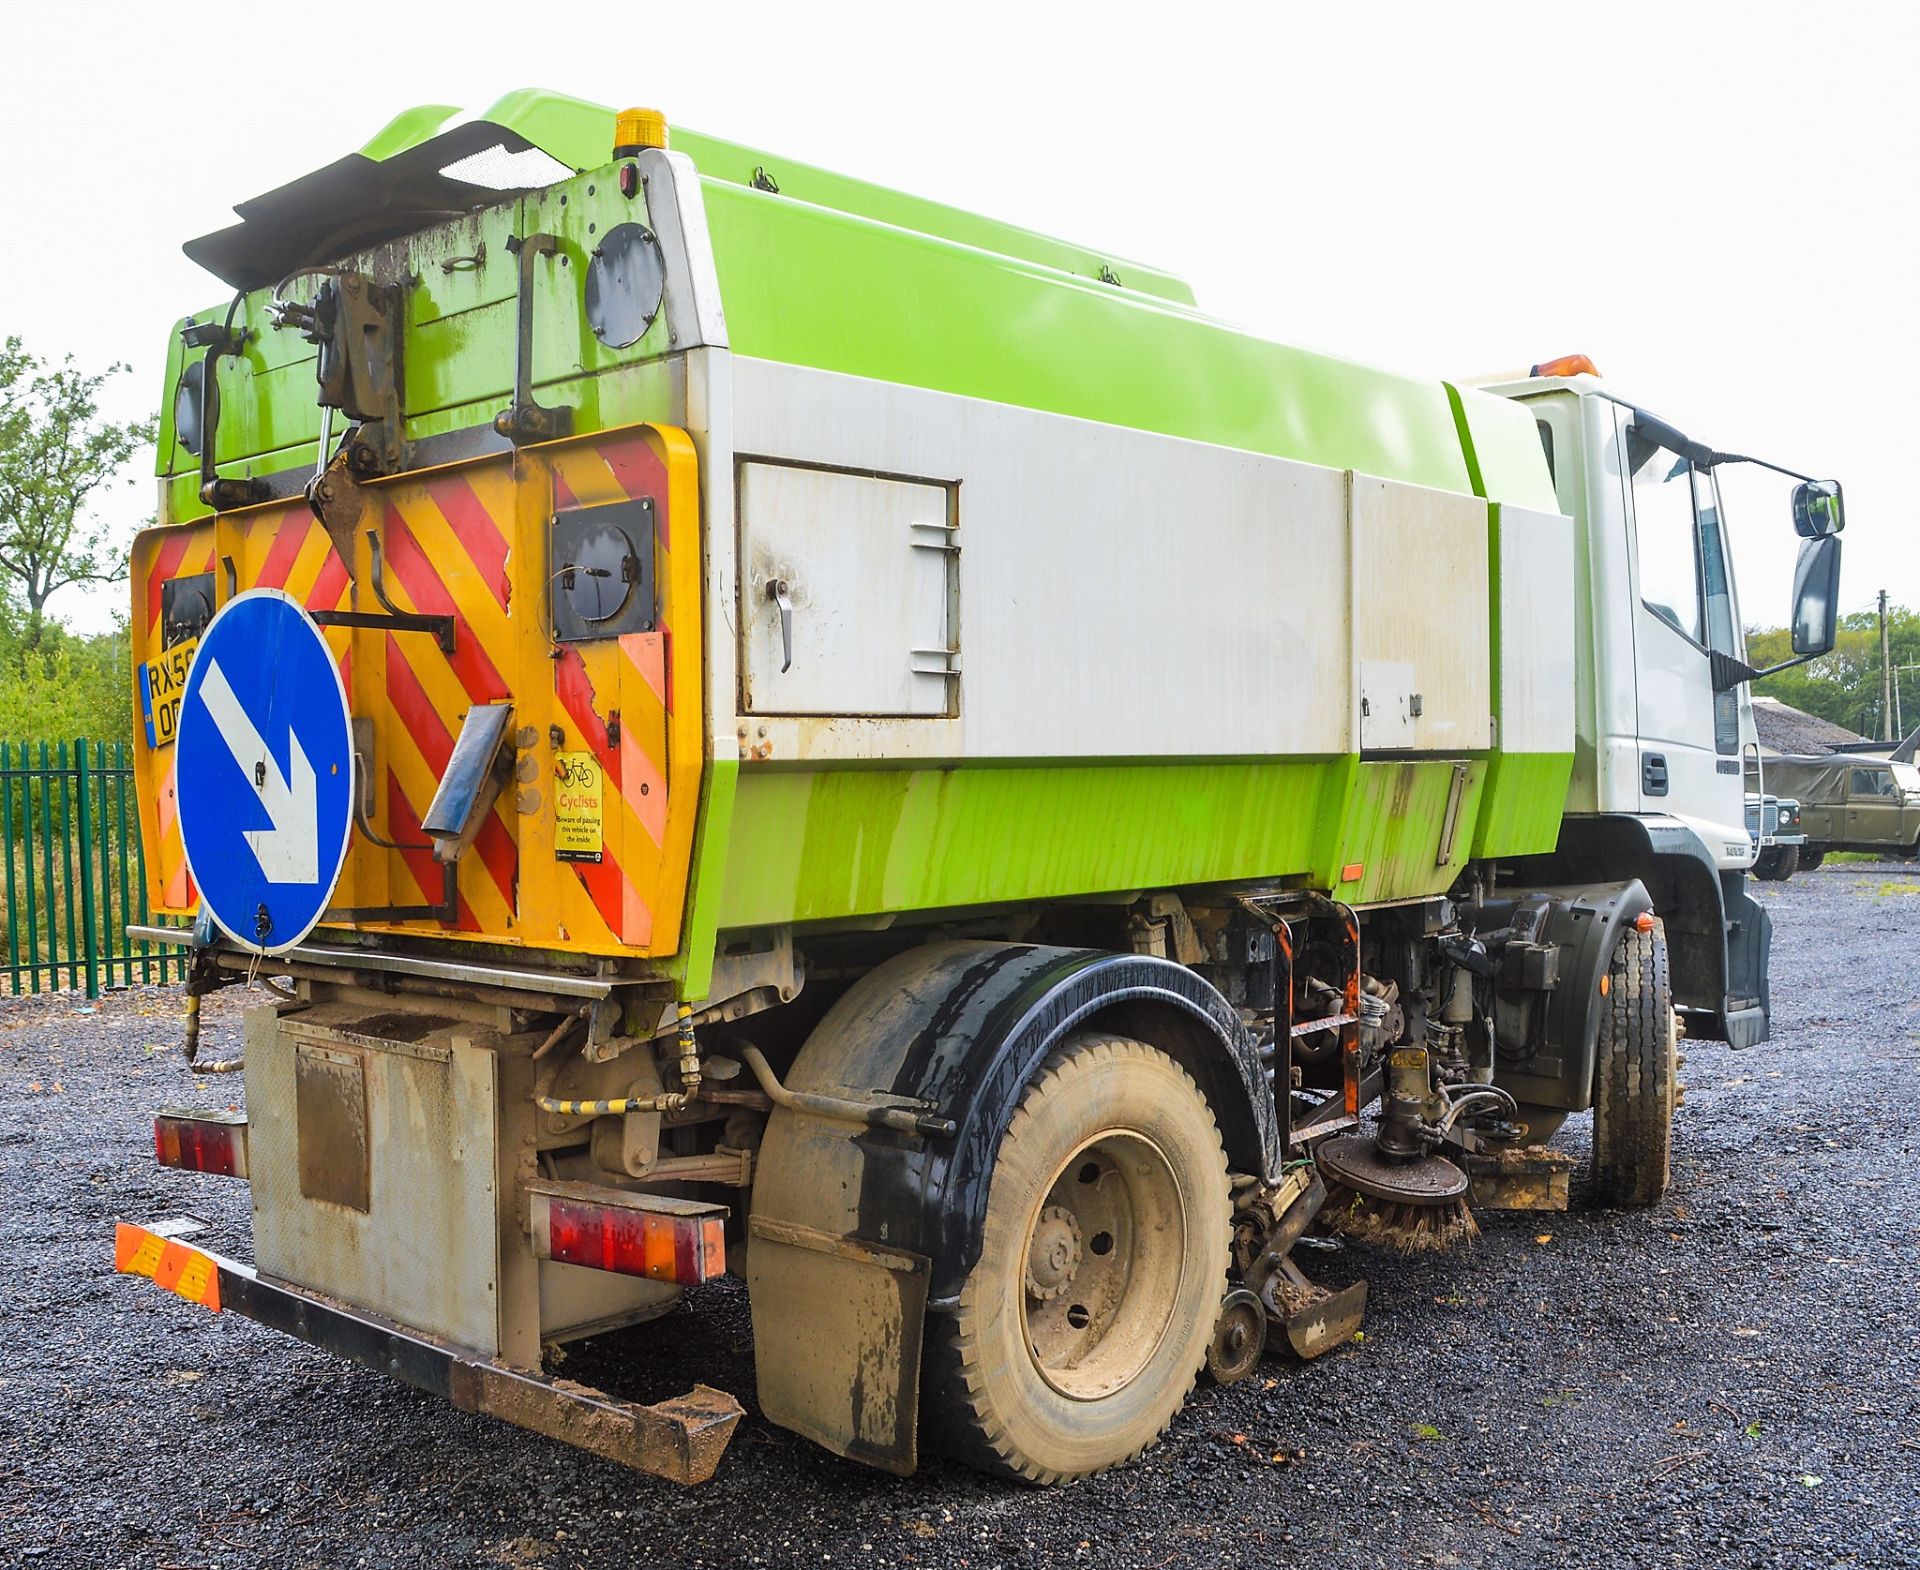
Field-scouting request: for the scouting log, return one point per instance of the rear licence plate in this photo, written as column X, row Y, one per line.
column 183, row 1271
column 163, row 683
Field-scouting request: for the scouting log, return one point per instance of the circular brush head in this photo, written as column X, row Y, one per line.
column 1417, row 1206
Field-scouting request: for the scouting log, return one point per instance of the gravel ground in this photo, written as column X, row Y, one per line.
column 1731, row 1378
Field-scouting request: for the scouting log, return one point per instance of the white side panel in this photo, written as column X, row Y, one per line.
column 1389, row 693
column 848, row 587
column 1537, row 668
column 1123, row 594
column 1421, row 612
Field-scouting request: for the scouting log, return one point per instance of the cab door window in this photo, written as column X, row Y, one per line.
column 1718, row 586
column 1666, row 536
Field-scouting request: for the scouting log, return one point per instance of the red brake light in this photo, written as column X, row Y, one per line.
column 653, row 1235
column 202, row 1141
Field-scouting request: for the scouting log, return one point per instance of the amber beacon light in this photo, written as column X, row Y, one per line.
column 1567, row 365
column 634, row 129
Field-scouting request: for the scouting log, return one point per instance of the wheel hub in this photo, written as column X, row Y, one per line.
column 1239, row 1337
column 1054, row 1257
column 1103, row 1265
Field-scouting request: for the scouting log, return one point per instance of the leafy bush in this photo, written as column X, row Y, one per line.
column 70, row 686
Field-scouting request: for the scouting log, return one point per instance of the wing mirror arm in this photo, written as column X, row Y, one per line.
column 1728, row 672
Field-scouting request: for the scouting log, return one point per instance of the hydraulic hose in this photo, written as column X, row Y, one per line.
column 1457, row 1105
column 215, row 1065
column 665, row 1101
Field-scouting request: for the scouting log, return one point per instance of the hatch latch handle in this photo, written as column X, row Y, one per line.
column 528, row 420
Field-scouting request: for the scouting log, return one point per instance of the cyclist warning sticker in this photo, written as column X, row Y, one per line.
column 163, row 682
column 579, row 797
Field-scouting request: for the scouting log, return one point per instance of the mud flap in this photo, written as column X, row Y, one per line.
column 1745, row 1022
column 837, row 1345
column 854, row 1231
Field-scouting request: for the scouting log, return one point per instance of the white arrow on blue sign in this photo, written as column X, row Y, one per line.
column 264, row 771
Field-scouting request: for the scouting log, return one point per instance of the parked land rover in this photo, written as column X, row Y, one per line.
column 1849, row 802
column 1778, row 837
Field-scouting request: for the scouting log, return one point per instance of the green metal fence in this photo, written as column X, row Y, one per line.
column 75, row 874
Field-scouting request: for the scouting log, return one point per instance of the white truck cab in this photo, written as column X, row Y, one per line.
column 1666, row 751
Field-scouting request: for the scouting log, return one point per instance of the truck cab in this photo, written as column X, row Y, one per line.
column 1666, row 754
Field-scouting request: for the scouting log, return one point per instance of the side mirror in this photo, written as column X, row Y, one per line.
column 1816, row 591
column 1817, row 510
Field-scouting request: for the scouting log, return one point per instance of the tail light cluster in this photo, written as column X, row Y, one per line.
column 658, row 1236
column 201, row 1141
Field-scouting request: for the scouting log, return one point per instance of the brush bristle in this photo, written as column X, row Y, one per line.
column 1412, row 1229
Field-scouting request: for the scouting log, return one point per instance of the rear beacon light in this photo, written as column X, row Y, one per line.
column 1567, row 365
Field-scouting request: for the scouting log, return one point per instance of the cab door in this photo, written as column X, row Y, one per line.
column 1690, row 735
column 1873, row 806
column 1822, row 815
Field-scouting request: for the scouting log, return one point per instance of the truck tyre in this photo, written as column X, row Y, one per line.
column 1633, row 1075
column 1810, row 858
column 1777, row 863
column 1103, row 1262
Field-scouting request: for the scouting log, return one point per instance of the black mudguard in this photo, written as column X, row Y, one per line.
column 856, row 1232
column 1718, row 937
column 1585, row 923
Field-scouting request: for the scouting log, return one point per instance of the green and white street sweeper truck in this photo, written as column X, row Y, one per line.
column 762, row 726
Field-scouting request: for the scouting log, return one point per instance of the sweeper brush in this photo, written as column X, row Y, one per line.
column 1417, row 1206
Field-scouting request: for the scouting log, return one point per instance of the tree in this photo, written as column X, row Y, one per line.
column 70, row 686
column 1844, row 686
column 56, row 451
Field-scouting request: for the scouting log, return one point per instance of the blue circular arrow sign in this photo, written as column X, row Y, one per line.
column 265, row 771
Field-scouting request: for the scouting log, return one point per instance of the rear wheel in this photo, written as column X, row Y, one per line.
column 1103, row 1262
column 1633, row 1075
column 1810, row 859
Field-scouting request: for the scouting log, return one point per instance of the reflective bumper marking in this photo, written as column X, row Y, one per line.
column 681, row 1440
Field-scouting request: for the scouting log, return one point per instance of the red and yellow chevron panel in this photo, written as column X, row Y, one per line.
column 281, row 546
column 470, row 541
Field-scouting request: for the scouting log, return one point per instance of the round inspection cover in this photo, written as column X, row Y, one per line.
column 598, row 578
column 1355, row 1161
column 186, row 406
column 186, row 608
column 625, row 282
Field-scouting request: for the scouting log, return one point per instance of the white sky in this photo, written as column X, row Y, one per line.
column 1716, row 202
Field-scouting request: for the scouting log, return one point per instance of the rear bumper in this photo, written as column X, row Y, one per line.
column 681, row 1440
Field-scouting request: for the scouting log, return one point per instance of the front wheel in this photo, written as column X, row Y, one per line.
column 1103, row 1262
column 1633, row 1074
column 1777, row 863
column 1810, row 858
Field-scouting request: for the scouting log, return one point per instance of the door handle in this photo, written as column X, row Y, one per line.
column 1653, row 774
column 777, row 592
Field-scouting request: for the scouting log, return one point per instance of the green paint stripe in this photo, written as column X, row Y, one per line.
column 811, row 845
column 1474, row 476
column 692, row 967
